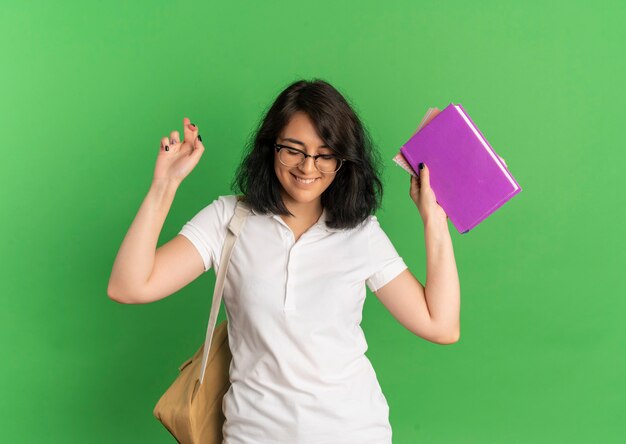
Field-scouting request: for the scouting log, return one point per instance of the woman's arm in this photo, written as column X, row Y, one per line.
column 141, row 273
column 442, row 291
column 135, row 258
column 431, row 312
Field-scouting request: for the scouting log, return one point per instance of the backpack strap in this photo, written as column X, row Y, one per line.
column 234, row 228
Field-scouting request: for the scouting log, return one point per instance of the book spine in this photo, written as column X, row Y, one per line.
column 486, row 144
column 407, row 155
column 478, row 133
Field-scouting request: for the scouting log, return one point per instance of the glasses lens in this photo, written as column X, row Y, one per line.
column 328, row 164
column 290, row 157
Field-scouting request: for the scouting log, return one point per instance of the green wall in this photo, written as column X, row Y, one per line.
column 87, row 91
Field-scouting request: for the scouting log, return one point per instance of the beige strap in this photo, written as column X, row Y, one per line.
column 234, row 227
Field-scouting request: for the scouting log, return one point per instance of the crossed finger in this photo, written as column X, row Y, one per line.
column 191, row 131
column 170, row 143
column 174, row 137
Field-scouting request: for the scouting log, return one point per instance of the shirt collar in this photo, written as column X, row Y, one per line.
column 320, row 223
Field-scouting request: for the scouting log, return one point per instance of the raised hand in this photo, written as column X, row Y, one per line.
column 424, row 197
column 177, row 158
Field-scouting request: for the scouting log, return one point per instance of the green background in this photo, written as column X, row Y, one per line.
column 87, row 92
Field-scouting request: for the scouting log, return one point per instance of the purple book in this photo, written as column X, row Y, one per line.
column 467, row 176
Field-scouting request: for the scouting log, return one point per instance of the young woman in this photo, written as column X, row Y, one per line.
column 296, row 282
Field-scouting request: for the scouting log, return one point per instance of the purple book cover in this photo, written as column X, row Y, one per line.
column 466, row 175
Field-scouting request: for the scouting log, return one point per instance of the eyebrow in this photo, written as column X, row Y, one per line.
column 289, row 139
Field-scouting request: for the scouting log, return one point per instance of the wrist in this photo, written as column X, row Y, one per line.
column 436, row 224
column 163, row 190
column 165, row 184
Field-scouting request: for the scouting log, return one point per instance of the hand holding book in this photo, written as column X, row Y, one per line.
column 469, row 179
column 424, row 197
column 399, row 158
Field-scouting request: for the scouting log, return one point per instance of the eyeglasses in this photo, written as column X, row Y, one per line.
column 326, row 163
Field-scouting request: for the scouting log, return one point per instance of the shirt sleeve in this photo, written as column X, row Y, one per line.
column 207, row 229
column 385, row 262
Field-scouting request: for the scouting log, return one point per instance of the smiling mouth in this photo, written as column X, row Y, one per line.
column 305, row 182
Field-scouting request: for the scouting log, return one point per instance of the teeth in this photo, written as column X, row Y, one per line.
column 305, row 181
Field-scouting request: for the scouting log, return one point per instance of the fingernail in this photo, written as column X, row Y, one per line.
column 199, row 137
column 421, row 165
column 192, row 126
column 167, row 148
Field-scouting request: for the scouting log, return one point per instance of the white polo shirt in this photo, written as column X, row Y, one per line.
column 299, row 374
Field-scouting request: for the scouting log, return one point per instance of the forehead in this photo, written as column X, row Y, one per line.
column 300, row 128
column 300, row 121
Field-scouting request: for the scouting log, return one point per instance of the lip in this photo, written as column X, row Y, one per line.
column 304, row 184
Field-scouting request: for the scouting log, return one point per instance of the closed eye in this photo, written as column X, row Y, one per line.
column 297, row 151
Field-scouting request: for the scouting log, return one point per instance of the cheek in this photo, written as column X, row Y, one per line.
column 277, row 167
column 327, row 181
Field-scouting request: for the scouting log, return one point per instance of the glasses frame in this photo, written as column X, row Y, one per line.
column 279, row 147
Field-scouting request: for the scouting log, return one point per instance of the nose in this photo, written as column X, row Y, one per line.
column 308, row 166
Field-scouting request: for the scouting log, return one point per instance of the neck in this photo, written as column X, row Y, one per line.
column 305, row 212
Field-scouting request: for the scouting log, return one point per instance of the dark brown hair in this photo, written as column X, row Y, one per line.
column 356, row 191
